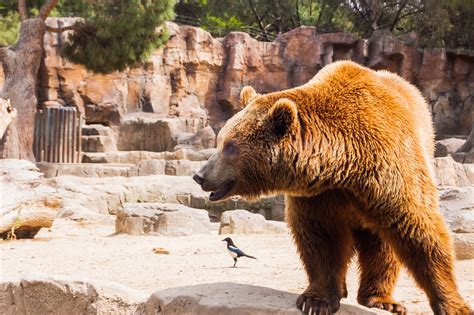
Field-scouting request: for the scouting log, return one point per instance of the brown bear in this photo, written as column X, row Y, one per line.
column 351, row 152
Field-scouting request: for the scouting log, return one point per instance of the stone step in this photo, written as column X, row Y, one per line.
column 98, row 144
column 144, row 168
column 168, row 167
column 97, row 130
column 86, row 169
column 134, row 157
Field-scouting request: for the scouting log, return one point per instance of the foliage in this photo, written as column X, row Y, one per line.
column 115, row 37
column 439, row 23
column 9, row 28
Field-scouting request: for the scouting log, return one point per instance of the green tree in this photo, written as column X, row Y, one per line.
column 439, row 23
column 113, row 35
column 10, row 27
column 116, row 37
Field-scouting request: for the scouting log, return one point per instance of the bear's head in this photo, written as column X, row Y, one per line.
column 256, row 149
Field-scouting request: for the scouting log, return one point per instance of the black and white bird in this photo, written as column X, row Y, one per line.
column 234, row 251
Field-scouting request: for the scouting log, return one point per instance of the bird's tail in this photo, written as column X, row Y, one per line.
column 250, row 256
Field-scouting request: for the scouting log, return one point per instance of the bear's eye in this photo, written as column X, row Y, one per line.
column 231, row 148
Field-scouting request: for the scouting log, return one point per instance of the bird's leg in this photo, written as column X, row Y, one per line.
column 235, row 262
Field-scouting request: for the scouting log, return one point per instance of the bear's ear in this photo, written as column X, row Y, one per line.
column 247, row 94
column 283, row 117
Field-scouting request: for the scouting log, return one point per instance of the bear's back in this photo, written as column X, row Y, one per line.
column 414, row 101
column 391, row 92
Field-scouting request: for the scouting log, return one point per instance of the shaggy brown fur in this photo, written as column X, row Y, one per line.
column 350, row 149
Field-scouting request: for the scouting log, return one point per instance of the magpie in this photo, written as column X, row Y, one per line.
column 234, row 251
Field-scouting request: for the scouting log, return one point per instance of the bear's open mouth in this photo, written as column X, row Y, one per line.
column 221, row 193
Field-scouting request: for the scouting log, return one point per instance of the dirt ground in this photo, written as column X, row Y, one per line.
column 92, row 251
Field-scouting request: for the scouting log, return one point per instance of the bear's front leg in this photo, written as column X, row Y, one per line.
column 324, row 241
column 379, row 269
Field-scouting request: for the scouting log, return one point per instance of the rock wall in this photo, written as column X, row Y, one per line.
column 197, row 77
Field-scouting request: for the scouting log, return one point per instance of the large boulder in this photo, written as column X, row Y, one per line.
column 245, row 222
column 182, row 223
column 152, row 132
column 27, row 204
column 67, row 295
column 107, row 195
column 233, row 299
column 457, row 206
column 448, row 172
column 464, row 245
column 162, row 218
column 39, row 294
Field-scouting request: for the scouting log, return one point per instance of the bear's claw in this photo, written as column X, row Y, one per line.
column 386, row 304
column 311, row 305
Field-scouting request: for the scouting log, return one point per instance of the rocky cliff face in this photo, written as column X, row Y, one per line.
column 196, row 78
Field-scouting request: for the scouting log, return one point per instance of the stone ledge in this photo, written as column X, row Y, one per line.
column 86, row 169
column 233, row 298
column 134, row 157
column 42, row 294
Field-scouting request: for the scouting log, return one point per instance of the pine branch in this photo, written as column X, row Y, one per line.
column 47, row 8
column 22, row 9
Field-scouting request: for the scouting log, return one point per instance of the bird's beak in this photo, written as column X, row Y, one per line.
column 223, row 240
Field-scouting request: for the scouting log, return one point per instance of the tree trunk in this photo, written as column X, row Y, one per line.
column 469, row 144
column 20, row 66
column 7, row 115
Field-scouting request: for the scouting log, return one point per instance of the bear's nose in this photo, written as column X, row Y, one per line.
column 198, row 178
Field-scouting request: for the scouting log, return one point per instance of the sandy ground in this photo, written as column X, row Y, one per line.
column 92, row 251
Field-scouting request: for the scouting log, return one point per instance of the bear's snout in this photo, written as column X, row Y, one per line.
column 198, row 178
